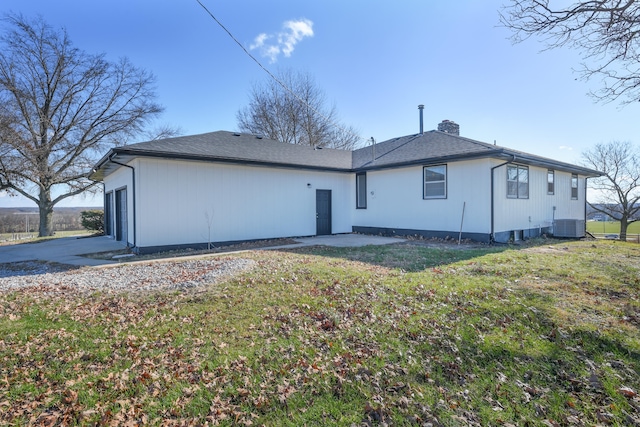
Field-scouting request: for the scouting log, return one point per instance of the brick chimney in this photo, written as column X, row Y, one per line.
column 449, row 126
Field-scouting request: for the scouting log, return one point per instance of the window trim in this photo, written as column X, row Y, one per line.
column 574, row 177
column 551, row 186
column 359, row 177
column 517, row 181
column 424, row 182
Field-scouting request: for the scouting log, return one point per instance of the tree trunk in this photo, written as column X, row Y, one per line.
column 46, row 214
column 623, row 228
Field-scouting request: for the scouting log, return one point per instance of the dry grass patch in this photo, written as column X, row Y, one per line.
column 388, row 335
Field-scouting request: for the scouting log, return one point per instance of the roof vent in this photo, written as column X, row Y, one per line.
column 449, row 126
column 259, row 136
column 236, row 134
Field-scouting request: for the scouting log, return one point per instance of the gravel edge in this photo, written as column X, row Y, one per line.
column 139, row 277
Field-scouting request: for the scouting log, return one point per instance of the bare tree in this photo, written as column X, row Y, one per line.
column 60, row 107
column 295, row 116
column 605, row 32
column 619, row 188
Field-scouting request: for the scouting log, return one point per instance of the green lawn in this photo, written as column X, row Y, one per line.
column 546, row 335
column 611, row 227
column 7, row 238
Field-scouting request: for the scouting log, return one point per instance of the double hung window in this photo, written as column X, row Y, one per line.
column 517, row 182
column 435, row 182
column 550, row 182
column 574, row 186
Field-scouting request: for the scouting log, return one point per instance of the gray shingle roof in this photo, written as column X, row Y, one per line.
column 432, row 146
column 429, row 147
column 229, row 147
column 437, row 147
column 243, row 147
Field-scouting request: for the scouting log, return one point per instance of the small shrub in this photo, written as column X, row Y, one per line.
column 93, row 220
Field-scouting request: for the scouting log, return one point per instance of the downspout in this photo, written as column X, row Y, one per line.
column 133, row 180
column 492, row 236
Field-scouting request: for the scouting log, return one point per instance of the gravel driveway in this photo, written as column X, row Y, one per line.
column 150, row 276
column 57, row 265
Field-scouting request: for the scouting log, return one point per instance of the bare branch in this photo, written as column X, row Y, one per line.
column 605, row 32
column 60, row 108
column 618, row 190
column 298, row 118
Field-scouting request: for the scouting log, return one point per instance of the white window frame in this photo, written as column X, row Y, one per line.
column 551, row 182
column 518, row 182
column 574, row 188
column 442, row 182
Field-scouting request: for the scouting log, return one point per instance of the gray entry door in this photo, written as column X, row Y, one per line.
column 121, row 215
column 323, row 212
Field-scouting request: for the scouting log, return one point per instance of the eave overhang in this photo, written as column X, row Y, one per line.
column 105, row 166
column 499, row 154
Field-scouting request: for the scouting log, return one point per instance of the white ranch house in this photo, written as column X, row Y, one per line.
column 224, row 187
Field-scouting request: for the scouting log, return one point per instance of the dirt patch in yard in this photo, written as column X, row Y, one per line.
column 445, row 244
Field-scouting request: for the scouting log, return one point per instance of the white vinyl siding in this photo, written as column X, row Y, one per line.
column 392, row 201
column 176, row 198
column 540, row 209
column 435, row 182
column 180, row 202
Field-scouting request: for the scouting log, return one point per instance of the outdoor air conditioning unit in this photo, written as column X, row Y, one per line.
column 569, row 228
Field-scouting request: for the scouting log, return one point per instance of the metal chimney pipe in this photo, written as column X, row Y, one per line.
column 421, row 108
column 373, row 149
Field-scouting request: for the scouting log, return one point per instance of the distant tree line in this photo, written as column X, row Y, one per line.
column 26, row 220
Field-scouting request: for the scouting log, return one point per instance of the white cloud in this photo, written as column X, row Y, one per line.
column 565, row 147
column 284, row 42
column 259, row 41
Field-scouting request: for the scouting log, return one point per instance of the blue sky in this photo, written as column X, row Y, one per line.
column 375, row 61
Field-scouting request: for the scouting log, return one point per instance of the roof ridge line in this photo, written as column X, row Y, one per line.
column 390, row 151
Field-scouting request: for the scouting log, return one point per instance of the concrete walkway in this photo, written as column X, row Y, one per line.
column 65, row 250
column 68, row 250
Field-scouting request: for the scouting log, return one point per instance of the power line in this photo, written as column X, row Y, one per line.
column 241, row 46
column 284, row 86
